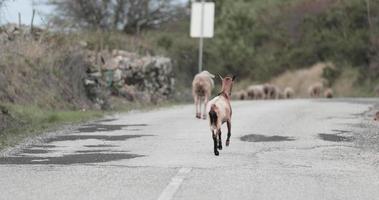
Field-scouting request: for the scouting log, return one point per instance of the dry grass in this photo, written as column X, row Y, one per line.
column 344, row 86
column 301, row 79
column 41, row 73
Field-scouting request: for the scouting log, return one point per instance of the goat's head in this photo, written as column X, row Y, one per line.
column 227, row 84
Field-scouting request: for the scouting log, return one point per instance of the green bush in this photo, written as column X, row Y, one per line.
column 330, row 74
column 165, row 42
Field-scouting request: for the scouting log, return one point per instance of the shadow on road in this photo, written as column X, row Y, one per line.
column 264, row 138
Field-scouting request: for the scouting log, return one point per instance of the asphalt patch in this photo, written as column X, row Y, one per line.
column 106, row 120
column 99, row 151
column 44, row 146
column 89, row 128
column 35, row 151
column 100, row 146
column 265, row 138
column 97, row 137
column 341, row 131
column 338, row 117
column 67, row 159
column 93, row 151
column 335, row 137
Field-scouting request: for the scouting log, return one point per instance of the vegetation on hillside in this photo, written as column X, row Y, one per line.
column 276, row 36
column 257, row 40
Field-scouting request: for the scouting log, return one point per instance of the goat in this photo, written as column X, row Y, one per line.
column 220, row 111
column 202, row 86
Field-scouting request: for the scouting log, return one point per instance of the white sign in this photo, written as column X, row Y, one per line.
column 202, row 19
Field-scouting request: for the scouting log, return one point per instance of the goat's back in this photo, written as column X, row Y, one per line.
column 223, row 107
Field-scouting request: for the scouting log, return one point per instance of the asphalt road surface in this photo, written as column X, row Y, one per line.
column 285, row 149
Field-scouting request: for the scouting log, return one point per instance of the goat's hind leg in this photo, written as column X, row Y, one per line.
column 219, row 140
column 229, row 132
column 214, row 136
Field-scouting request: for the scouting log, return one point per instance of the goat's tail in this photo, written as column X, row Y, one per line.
column 213, row 116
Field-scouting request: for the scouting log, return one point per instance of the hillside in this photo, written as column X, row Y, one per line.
column 259, row 40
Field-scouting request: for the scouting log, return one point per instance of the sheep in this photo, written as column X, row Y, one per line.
column 281, row 95
column 256, row 92
column 202, row 86
column 270, row 91
column 240, row 95
column 289, row 93
column 376, row 116
column 315, row 90
column 277, row 93
column 376, row 90
column 220, row 111
column 328, row 93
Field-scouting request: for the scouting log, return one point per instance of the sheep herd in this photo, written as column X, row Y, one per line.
column 271, row 91
column 203, row 85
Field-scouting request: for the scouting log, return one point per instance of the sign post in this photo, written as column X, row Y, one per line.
column 202, row 23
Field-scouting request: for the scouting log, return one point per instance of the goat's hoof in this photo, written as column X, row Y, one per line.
column 216, row 153
column 198, row 116
column 219, row 147
column 227, row 143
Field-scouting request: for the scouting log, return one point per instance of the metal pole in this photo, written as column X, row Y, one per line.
column 31, row 23
column 201, row 38
column 19, row 19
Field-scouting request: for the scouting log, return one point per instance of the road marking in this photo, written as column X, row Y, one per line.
column 174, row 184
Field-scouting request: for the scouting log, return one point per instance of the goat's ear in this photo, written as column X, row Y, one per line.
column 234, row 77
column 220, row 77
column 102, row 60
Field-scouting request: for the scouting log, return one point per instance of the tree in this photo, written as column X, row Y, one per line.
column 82, row 13
column 128, row 15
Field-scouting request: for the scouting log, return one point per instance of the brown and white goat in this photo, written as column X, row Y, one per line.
column 202, row 86
column 220, row 111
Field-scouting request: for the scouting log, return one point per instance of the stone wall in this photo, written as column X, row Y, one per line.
column 126, row 74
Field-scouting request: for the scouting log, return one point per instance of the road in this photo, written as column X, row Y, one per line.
column 286, row 149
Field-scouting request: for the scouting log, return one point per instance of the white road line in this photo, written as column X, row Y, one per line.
column 174, row 184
